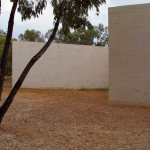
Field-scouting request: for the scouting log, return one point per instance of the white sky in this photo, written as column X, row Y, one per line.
column 45, row 21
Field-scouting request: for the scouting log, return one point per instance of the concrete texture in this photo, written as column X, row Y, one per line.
column 62, row 66
column 129, row 54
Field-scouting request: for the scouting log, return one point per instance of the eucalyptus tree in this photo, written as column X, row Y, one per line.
column 102, row 35
column 71, row 13
column 2, row 33
column 48, row 33
column 60, row 37
column 86, row 37
column 9, row 57
column 31, row 36
column 79, row 36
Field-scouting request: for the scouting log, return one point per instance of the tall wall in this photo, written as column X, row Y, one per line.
column 129, row 54
column 62, row 66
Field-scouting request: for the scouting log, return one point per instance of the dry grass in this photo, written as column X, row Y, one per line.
column 72, row 120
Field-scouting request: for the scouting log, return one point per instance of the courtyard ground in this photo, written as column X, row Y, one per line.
column 44, row 119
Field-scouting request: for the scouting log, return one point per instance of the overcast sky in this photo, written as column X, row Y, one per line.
column 45, row 21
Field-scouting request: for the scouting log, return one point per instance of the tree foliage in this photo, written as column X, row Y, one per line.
column 48, row 33
column 30, row 8
column 95, row 35
column 9, row 57
column 75, row 13
column 101, row 35
column 86, row 37
column 31, row 36
column 2, row 33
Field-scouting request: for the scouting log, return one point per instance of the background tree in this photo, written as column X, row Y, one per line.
column 61, row 37
column 102, row 35
column 86, row 37
column 48, row 33
column 82, row 36
column 105, row 37
column 9, row 62
column 9, row 59
column 31, row 36
column 2, row 33
column 79, row 36
column 72, row 13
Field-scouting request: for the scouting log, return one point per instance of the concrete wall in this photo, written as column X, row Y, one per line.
column 62, row 66
column 129, row 54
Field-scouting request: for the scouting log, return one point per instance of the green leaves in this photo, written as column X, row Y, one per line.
column 9, row 57
column 102, row 35
column 2, row 33
column 75, row 16
column 29, row 8
column 79, row 36
column 31, row 36
column 94, row 35
column 75, row 13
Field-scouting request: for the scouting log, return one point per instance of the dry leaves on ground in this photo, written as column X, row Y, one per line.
column 72, row 120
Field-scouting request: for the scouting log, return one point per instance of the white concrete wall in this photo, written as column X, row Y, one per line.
column 62, row 66
column 129, row 54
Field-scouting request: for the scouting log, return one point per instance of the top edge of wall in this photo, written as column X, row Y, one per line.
column 59, row 44
column 133, row 5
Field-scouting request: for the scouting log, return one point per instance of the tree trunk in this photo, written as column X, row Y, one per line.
column 0, row 7
column 7, row 45
column 19, row 82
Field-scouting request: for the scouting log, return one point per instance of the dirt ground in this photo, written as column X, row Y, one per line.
column 72, row 120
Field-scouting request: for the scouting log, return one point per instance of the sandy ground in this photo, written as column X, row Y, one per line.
column 72, row 120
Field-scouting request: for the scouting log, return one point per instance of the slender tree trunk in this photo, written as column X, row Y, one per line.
column 19, row 82
column 7, row 45
column 0, row 7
